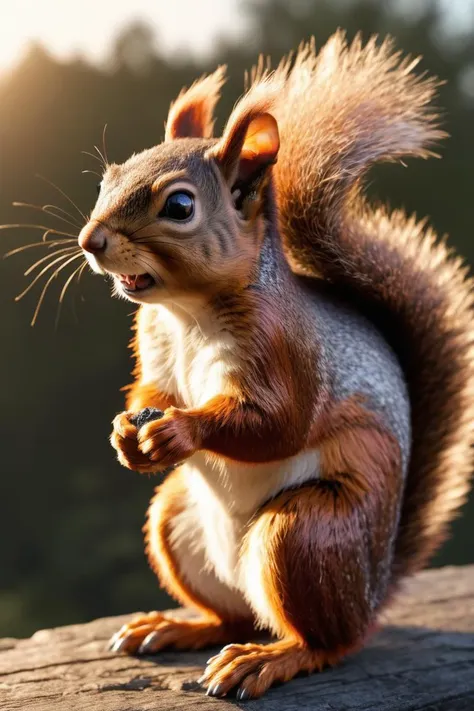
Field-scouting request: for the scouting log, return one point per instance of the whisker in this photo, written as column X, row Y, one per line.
column 157, row 277
column 45, row 288
column 149, row 240
column 37, row 244
column 79, row 269
column 47, row 257
column 169, row 257
column 152, row 270
column 82, row 271
column 46, row 210
column 193, row 317
column 48, row 230
column 80, row 276
column 102, row 157
column 94, row 172
column 104, row 149
column 146, row 241
column 70, row 200
column 149, row 253
column 142, row 227
column 60, row 209
column 93, row 155
column 63, row 211
column 69, row 280
column 43, row 271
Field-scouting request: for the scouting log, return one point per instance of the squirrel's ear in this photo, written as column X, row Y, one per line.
column 248, row 146
column 191, row 115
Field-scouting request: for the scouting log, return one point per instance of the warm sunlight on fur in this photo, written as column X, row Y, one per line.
column 310, row 358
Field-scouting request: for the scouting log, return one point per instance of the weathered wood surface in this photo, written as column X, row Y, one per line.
column 423, row 658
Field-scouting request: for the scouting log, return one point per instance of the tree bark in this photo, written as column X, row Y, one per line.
column 422, row 658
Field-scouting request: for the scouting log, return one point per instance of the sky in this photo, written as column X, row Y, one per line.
column 88, row 27
column 68, row 27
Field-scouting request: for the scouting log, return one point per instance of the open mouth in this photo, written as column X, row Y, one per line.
column 135, row 282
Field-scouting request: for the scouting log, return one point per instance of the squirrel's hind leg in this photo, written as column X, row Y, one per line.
column 175, row 551
column 316, row 566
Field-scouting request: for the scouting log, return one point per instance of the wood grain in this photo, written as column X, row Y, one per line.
column 422, row 659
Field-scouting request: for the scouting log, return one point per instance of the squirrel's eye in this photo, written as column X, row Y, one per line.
column 178, row 206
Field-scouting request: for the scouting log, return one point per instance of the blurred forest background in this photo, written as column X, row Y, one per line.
column 70, row 516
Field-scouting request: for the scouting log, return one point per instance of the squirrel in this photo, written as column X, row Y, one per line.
column 312, row 356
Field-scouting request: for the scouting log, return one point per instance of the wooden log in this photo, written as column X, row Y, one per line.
column 422, row 658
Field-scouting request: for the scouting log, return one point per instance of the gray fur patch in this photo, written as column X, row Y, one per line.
column 360, row 361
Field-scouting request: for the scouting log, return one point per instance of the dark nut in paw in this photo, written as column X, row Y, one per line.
column 148, row 414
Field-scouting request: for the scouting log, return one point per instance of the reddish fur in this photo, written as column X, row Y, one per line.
column 249, row 144
column 141, row 395
column 124, row 437
column 339, row 112
column 324, row 543
column 268, row 418
column 336, row 417
column 171, row 495
column 213, row 626
column 190, row 115
column 332, row 552
column 255, row 667
column 178, row 633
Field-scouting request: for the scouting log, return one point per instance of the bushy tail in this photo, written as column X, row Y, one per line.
column 339, row 112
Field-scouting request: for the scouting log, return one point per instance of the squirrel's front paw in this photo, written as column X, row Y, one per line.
column 168, row 441
column 124, row 440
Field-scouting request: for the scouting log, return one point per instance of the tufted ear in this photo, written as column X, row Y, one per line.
column 248, row 147
column 191, row 115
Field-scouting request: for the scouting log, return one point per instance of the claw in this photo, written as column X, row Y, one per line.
column 214, row 690
column 119, row 645
column 111, row 642
column 147, row 644
column 242, row 694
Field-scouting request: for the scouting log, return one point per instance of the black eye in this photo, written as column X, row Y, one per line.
column 178, row 206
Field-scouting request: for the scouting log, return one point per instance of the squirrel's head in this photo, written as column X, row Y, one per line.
column 186, row 217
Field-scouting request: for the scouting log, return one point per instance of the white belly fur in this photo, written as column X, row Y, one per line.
column 227, row 494
column 193, row 360
column 187, row 358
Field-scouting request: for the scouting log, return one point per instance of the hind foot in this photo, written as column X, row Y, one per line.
column 150, row 633
column 253, row 668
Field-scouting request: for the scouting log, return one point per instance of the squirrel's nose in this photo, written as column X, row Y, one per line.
column 93, row 237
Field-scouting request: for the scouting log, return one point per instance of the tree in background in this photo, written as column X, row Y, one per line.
column 70, row 517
